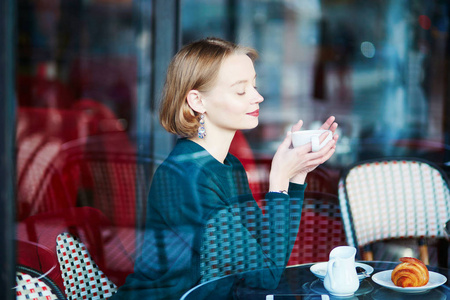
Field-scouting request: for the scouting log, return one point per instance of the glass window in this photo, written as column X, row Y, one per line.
column 378, row 67
column 88, row 76
column 83, row 166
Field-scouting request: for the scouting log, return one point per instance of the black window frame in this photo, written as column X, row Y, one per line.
column 7, row 142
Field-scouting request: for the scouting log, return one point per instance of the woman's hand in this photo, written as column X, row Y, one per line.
column 293, row 164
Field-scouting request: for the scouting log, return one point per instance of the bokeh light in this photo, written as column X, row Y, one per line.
column 424, row 22
column 368, row 49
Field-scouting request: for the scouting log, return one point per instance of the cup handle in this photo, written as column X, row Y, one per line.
column 316, row 147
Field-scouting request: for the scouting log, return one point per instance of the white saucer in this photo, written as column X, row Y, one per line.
column 384, row 279
column 320, row 270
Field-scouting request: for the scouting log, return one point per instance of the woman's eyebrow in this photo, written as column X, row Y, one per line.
column 241, row 81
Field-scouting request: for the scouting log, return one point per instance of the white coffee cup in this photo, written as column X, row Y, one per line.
column 302, row 137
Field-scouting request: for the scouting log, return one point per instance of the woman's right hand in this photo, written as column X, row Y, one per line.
column 293, row 164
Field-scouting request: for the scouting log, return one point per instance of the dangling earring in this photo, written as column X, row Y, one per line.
column 201, row 129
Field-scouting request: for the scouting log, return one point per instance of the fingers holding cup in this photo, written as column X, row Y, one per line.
column 317, row 138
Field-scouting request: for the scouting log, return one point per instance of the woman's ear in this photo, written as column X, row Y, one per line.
column 194, row 101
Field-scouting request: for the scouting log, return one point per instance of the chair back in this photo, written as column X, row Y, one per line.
column 40, row 258
column 393, row 199
column 240, row 238
column 225, row 249
column 108, row 173
column 82, row 277
column 32, row 284
column 321, row 229
column 40, row 135
column 43, row 136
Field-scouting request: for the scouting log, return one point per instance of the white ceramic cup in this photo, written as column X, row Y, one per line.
column 302, row 137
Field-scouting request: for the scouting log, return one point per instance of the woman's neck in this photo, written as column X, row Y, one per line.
column 216, row 145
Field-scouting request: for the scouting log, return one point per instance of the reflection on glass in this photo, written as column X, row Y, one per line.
column 376, row 65
column 202, row 221
column 77, row 86
column 84, row 68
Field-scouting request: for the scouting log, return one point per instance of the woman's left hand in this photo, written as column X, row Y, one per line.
column 293, row 164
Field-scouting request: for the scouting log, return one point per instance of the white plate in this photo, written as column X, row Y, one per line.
column 384, row 279
column 320, row 270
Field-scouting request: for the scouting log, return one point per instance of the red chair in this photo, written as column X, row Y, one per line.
column 104, row 120
column 321, row 180
column 104, row 242
column 321, row 229
column 33, row 284
column 39, row 139
column 105, row 176
column 38, row 257
column 114, row 180
column 41, row 91
column 42, row 136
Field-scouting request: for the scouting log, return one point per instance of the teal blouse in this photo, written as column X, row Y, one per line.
column 188, row 190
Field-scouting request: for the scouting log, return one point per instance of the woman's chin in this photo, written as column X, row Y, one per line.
column 252, row 124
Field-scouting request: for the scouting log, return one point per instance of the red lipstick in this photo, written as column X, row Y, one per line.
column 254, row 113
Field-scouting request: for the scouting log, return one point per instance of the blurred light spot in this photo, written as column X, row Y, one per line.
column 368, row 49
column 407, row 252
column 424, row 22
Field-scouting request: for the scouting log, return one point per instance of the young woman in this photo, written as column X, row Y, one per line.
column 202, row 221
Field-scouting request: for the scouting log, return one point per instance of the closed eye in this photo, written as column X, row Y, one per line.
column 243, row 92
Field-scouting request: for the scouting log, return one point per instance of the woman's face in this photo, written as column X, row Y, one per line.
column 233, row 102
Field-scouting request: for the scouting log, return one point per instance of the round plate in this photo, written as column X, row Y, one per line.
column 320, row 270
column 384, row 279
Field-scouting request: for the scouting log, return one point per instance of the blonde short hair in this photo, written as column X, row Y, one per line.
column 194, row 67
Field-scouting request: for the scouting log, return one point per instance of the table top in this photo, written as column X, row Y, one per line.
column 300, row 283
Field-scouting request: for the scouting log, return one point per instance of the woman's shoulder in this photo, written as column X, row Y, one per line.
column 234, row 161
column 188, row 157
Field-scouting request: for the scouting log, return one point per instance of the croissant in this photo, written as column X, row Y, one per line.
column 410, row 273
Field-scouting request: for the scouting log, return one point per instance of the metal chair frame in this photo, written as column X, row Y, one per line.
column 56, row 291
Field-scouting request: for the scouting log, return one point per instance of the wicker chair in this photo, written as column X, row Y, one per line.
column 239, row 238
column 321, row 229
column 82, row 277
column 32, row 284
column 394, row 199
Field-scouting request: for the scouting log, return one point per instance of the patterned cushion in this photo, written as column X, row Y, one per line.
column 29, row 287
column 394, row 199
column 82, row 277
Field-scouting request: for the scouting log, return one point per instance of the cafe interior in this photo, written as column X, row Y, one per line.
column 80, row 84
